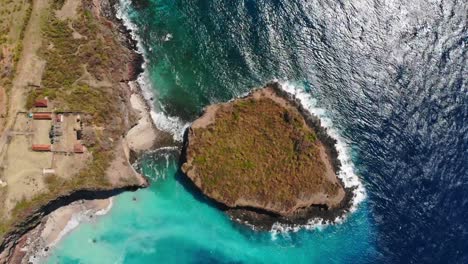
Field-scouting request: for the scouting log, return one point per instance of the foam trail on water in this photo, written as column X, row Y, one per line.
column 170, row 124
column 176, row 127
column 346, row 174
column 72, row 223
column 164, row 155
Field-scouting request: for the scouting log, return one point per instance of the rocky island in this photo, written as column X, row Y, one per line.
column 265, row 159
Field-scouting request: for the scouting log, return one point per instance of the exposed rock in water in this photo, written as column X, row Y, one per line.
column 264, row 159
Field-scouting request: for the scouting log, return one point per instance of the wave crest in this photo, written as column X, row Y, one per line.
column 346, row 173
column 171, row 124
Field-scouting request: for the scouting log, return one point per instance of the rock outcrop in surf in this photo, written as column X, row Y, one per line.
column 264, row 159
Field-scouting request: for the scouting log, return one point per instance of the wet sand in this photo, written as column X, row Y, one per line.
column 35, row 246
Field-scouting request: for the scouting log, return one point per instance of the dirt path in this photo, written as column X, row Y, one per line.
column 29, row 70
column 30, row 66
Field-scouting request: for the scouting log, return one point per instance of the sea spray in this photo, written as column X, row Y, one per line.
column 171, row 124
column 176, row 126
column 79, row 216
column 162, row 155
column 346, row 173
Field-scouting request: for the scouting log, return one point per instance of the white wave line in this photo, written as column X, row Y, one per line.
column 170, row 124
column 346, row 174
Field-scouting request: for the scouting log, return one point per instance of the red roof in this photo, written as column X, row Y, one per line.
column 46, row 116
column 78, row 148
column 41, row 103
column 41, row 147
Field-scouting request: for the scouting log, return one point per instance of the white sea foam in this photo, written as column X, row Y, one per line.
column 75, row 220
column 122, row 14
column 176, row 127
column 107, row 209
column 171, row 124
column 168, row 37
column 73, row 223
column 346, row 174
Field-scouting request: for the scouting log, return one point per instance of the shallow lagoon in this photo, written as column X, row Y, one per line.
column 168, row 223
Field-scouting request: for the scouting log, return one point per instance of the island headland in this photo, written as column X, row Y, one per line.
column 264, row 159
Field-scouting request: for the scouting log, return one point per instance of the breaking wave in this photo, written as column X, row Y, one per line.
column 176, row 127
column 346, row 173
column 170, row 124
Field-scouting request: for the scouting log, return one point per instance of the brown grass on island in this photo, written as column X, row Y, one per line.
column 258, row 152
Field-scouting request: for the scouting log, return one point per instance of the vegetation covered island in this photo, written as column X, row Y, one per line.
column 265, row 159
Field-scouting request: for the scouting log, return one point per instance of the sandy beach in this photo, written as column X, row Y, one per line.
column 143, row 135
column 35, row 246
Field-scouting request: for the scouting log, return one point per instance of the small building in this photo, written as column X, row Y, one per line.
column 42, row 147
column 41, row 103
column 78, row 148
column 42, row 116
column 59, row 118
column 46, row 172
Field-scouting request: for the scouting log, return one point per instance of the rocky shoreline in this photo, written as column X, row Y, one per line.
column 264, row 219
column 132, row 145
column 34, row 219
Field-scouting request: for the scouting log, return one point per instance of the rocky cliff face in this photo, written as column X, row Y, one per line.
column 264, row 158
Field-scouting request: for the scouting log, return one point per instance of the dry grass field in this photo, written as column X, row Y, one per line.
column 14, row 15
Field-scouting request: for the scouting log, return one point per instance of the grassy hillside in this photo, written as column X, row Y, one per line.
column 82, row 73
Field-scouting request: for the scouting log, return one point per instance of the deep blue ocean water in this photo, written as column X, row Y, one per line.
column 390, row 76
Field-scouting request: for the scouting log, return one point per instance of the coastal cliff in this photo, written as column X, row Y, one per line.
column 264, row 159
column 100, row 76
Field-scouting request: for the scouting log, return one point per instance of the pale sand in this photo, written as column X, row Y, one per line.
column 54, row 227
column 142, row 136
column 121, row 172
column 39, row 242
column 29, row 71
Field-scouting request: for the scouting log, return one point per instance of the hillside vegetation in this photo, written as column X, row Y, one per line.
column 82, row 74
column 261, row 151
column 14, row 17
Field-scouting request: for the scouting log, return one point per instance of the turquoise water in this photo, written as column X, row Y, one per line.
column 166, row 223
column 390, row 76
column 169, row 222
